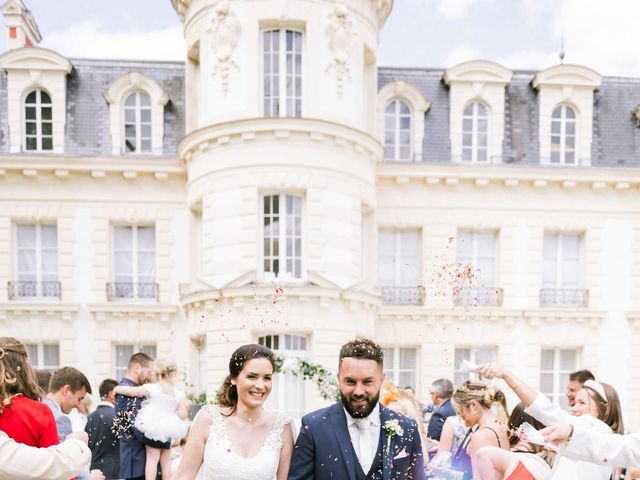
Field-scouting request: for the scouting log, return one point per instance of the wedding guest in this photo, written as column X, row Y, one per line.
column 58, row 462
column 596, row 403
column 453, row 433
column 525, row 461
column 22, row 416
column 105, row 447
column 576, row 380
column 43, row 377
column 406, row 404
column 441, row 391
column 162, row 418
column 473, row 401
column 67, row 388
column 236, row 438
column 132, row 449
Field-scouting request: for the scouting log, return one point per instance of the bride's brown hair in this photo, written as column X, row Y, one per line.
column 228, row 396
column 16, row 374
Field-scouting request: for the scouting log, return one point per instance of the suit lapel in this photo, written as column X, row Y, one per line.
column 387, row 455
column 339, row 424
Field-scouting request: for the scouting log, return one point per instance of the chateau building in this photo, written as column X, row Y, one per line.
column 278, row 186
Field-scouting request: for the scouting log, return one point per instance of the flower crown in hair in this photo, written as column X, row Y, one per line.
column 1, row 353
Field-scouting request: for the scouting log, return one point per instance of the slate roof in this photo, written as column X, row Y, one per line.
column 87, row 123
column 616, row 138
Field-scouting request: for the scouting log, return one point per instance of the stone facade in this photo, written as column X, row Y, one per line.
column 218, row 155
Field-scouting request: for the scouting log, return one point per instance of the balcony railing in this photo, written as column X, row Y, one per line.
column 129, row 290
column 33, row 289
column 403, row 295
column 478, row 297
column 564, row 297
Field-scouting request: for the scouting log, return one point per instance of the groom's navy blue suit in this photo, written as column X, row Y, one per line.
column 324, row 449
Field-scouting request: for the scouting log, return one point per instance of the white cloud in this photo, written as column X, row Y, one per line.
column 454, row 9
column 528, row 60
column 601, row 36
column 89, row 40
column 461, row 54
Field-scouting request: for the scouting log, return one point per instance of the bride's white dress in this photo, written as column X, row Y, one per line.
column 221, row 462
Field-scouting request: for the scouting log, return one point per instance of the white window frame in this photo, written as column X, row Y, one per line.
column 283, row 217
column 138, row 123
column 393, row 372
column 39, row 274
column 559, row 280
column 564, row 121
column 278, row 399
column 38, row 362
column 39, row 121
column 399, row 258
column 136, row 347
column 558, row 396
column 473, row 358
column 281, row 101
column 397, row 117
column 475, row 147
column 135, row 273
column 475, row 254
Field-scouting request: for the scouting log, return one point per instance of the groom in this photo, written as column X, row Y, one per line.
column 357, row 438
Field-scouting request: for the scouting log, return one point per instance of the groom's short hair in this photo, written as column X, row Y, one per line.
column 364, row 348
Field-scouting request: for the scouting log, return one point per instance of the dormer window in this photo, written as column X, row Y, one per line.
column 137, row 123
column 397, row 132
column 563, row 136
column 38, row 118
column 475, row 127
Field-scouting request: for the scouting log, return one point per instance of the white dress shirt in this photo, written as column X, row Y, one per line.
column 374, row 432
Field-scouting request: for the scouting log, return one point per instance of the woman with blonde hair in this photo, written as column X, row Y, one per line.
column 22, row 416
column 406, row 404
column 597, row 404
column 162, row 418
column 473, row 401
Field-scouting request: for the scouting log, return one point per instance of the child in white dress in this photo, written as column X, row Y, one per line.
column 162, row 418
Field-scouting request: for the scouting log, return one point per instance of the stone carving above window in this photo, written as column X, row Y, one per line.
column 225, row 29
column 340, row 36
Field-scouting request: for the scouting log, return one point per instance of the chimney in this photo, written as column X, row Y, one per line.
column 21, row 27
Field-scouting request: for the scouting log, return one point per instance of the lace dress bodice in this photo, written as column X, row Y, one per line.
column 221, row 462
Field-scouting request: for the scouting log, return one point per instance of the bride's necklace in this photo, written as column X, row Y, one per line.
column 255, row 417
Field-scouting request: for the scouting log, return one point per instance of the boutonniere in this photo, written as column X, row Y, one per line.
column 393, row 428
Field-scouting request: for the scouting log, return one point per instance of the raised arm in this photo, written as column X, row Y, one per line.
column 140, row 391
column 193, row 452
column 285, row 453
column 590, row 445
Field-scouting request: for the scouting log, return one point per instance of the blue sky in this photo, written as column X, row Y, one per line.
column 520, row 34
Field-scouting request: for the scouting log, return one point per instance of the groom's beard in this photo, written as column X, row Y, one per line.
column 359, row 411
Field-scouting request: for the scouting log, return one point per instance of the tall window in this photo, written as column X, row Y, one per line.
column 563, row 135
column 38, row 117
column 36, row 261
column 282, row 235
column 137, row 123
column 400, row 366
column 287, row 394
column 476, row 355
column 44, row 356
column 555, row 366
column 476, row 258
column 475, row 128
column 134, row 262
column 561, row 271
column 123, row 352
column 399, row 266
column 397, row 132
column 282, row 73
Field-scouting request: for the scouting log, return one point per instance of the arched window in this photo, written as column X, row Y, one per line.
column 137, row 123
column 38, row 118
column 397, row 132
column 563, row 135
column 475, row 124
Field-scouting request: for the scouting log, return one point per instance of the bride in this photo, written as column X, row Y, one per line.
column 236, row 439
